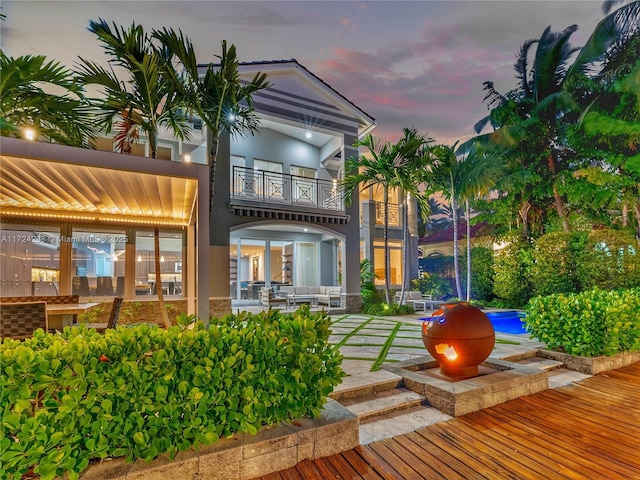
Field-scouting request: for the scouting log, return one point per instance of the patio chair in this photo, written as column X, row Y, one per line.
column 269, row 298
column 20, row 320
column 113, row 317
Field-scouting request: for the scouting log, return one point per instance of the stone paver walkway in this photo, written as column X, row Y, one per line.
column 366, row 341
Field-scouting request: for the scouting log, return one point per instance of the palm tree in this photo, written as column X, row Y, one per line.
column 219, row 97
column 461, row 174
column 146, row 100
column 551, row 96
column 410, row 178
column 537, row 112
column 482, row 168
column 25, row 103
column 380, row 169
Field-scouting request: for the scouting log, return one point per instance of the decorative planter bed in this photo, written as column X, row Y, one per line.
column 592, row 365
column 245, row 456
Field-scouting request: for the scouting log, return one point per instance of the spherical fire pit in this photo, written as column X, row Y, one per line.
column 460, row 337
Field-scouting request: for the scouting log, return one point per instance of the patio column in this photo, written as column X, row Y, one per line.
column 351, row 267
column 64, row 285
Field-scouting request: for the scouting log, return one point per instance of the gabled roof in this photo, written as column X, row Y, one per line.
column 366, row 121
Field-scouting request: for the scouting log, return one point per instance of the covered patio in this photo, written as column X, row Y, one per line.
column 78, row 221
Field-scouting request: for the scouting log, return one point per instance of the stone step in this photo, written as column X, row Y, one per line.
column 382, row 403
column 366, row 383
column 542, row 363
column 398, row 423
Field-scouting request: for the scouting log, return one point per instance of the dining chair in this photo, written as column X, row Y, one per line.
column 20, row 320
column 104, row 286
column 80, row 286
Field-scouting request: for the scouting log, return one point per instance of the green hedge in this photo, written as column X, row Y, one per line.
column 589, row 324
column 141, row 391
column 610, row 259
column 553, row 268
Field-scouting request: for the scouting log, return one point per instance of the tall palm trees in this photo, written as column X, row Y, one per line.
column 219, row 97
column 387, row 166
column 26, row 102
column 146, row 100
column 550, row 98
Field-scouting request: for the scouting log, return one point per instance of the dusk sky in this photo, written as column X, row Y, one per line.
column 406, row 63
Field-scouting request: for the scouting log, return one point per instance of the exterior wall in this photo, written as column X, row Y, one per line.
column 223, row 221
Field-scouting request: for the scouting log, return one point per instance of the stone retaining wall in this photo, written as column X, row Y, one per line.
column 592, row 365
column 245, row 456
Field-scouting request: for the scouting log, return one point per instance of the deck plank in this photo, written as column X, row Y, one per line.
column 589, row 429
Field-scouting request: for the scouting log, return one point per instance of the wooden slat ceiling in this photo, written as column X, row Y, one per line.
column 37, row 186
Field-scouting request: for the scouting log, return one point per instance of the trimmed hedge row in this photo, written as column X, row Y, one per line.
column 589, row 324
column 142, row 391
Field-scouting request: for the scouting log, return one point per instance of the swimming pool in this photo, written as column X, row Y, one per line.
column 507, row 321
column 504, row 321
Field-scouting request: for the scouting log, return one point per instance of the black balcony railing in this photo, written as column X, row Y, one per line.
column 284, row 189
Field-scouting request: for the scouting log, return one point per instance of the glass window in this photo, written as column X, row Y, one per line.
column 97, row 262
column 170, row 263
column 395, row 255
column 29, row 261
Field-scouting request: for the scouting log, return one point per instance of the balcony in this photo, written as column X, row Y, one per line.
column 394, row 214
column 281, row 189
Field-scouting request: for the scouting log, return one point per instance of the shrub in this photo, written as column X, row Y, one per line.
column 432, row 284
column 384, row 310
column 553, row 268
column 482, row 273
column 588, row 324
column 137, row 392
column 510, row 282
column 610, row 260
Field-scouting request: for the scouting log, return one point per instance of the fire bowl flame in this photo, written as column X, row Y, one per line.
column 460, row 337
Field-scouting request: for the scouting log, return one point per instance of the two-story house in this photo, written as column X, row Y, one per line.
column 81, row 221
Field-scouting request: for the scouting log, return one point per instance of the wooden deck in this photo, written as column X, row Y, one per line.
column 589, row 430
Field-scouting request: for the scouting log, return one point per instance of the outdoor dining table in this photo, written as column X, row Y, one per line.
column 63, row 315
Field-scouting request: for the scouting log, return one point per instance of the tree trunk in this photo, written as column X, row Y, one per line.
column 387, row 258
column 213, row 139
column 524, row 215
column 456, row 267
column 560, row 209
column 163, row 310
column 557, row 199
column 405, row 246
column 468, row 211
column 625, row 215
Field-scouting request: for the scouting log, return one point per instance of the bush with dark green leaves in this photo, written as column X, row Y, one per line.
column 553, row 267
column 589, row 324
column 71, row 397
column 511, row 263
column 610, row 259
column 432, row 284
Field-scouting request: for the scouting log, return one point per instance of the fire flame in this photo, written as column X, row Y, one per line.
column 446, row 350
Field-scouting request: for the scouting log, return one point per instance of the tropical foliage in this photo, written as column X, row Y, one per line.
column 28, row 101
column 389, row 166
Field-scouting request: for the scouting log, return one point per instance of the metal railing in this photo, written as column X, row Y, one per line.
column 284, row 189
column 394, row 214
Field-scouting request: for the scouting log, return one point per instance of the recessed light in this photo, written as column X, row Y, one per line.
column 308, row 134
column 306, row 229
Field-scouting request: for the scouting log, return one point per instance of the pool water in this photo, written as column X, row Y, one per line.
column 506, row 321
column 509, row 321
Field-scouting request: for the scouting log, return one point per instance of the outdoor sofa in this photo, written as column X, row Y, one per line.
column 316, row 296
